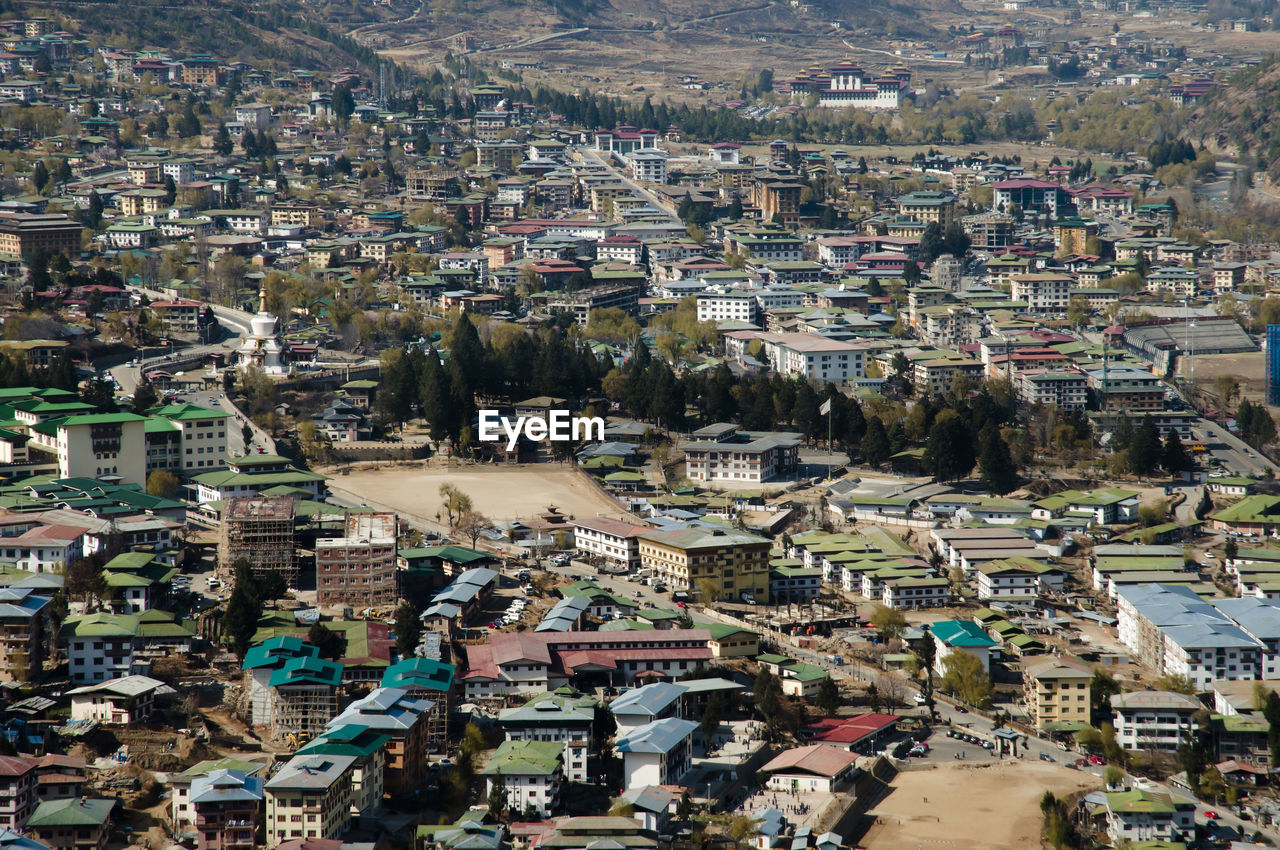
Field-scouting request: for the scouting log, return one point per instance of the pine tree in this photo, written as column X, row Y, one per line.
column 875, row 443
column 1145, row 451
column 1175, row 458
column 222, row 141
column 995, row 463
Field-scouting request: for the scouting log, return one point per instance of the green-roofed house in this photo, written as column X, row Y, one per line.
column 1140, row 815
column 138, row 579
column 532, row 772
column 565, row 716
column 204, row 435
column 1258, row 514
column 82, row 823
column 962, row 635
column 247, row 476
column 728, row 641
column 105, row 646
column 736, row 563
column 794, row 583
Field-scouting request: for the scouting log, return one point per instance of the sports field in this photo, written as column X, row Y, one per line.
column 969, row 807
column 501, row 493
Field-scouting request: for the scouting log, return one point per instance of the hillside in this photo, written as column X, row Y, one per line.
column 273, row 35
column 1240, row 119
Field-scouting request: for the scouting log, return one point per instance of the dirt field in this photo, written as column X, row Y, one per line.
column 970, row 808
column 500, row 493
column 1250, row 369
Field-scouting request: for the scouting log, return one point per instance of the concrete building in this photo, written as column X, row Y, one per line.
column 204, row 435
column 310, row 797
column 735, row 563
column 227, row 805
column 259, row 529
column 817, row 768
column 103, row 445
column 657, row 753
column 532, row 773
column 406, row 719
column 1056, row 693
column 565, row 716
column 359, row 569
column 1139, row 816
column 615, row 541
column 724, row 454
column 1154, row 720
column 121, row 702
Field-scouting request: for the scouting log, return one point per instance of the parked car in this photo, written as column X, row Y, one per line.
column 1046, row 757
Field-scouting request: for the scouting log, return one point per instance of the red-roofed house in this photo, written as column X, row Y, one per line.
column 816, row 767
column 864, row 732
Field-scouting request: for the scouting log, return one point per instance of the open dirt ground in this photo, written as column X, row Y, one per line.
column 500, row 493
column 996, row 807
column 1249, row 368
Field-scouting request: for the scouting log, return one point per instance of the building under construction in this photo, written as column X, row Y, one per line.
column 289, row 689
column 259, row 529
column 359, row 569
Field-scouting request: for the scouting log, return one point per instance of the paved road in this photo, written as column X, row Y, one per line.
column 653, row 199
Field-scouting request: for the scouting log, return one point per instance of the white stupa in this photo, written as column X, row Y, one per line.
column 263, row 347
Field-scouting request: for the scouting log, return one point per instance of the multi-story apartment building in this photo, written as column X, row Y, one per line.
column 405, row 718
column 731, row 564
column 613, row 540
column 735, row 305
column 22, row 235
column 204, row 435
column 310, row 797
column 814, row 357
column 23, row 620
column 227, row 806
column 1154, row 720
column 17, row 791
column 1044, row 292
column 1057, row 691
column 938, row 375
column 79, row 823
column 1127, row 389
column 1068, row 389
column 532, row 773
column 107, row 646
column 721, row 453
column 928, row 207
column 97, row 445
column 565, row 718
column 359, row 569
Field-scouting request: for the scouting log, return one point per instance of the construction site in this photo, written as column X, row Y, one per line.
column 259, row 529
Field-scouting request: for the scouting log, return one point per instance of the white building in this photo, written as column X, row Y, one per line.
column 119, row 701
column 735, row 305
column 1135, row 816
column 1067, row 389
column 610, row 539
column 817, row 768
column 532, row 773
column 648, row 165
column 814, row 357
column 204, row 435
column 1006, row 580
column 1044, row 292
column 103, row 445
column 1154, row 720
column 658, row 753
column 561, row 717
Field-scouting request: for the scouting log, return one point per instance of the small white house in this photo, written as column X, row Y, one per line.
column 817, row 767
column 126, row 700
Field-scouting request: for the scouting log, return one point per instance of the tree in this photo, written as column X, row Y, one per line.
column 949, row 453
column 472, row 524
column 498, row 797
column 927, row 655
column 707, row 592
column 162, row 483
column 249, row 143
column 875, row 443
column 711, row 717
column 1175, row 458
column 1103, row 687
column 84, row 580
column 456, row 503
column 742, row 828
column 145, row 396
column 222, row 141
column 1230, row 550
column 1194, row 759
column 965, row 676
column 1177, row 683
column 1271, row 711
column 244, row 608
column 343, row 104
column 828, row 697
column 93, row 216
column 995, row 462
column 408, row 629
column 1145, row 451
column 889, row 622
column 331, row 643
column 931, row 243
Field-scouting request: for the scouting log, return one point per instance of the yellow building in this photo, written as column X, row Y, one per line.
column 732, row 642
column 734, row 562
column 1057, row 692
